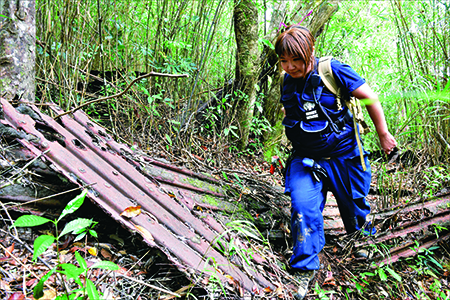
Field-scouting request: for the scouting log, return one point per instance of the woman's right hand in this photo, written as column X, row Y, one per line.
column 388, row 142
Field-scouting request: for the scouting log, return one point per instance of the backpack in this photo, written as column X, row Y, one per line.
column 353, row 104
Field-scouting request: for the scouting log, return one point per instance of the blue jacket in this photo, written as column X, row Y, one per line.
column 313, row 122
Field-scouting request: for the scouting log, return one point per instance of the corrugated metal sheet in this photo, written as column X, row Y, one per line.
column 88, row 156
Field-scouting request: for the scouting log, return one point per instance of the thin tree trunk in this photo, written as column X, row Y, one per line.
column 247, row 68
column 17, row 49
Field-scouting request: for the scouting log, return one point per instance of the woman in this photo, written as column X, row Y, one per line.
column 326, row 155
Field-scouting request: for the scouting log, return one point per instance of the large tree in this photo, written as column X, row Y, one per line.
column 246, row 30
column 17, row 49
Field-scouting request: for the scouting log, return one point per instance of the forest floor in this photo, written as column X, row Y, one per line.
column 145, row 273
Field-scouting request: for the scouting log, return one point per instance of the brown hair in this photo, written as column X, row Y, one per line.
column 296, row 41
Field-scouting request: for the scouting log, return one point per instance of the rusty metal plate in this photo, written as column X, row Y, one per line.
column 88, row 156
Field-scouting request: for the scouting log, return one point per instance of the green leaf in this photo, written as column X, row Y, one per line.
column 169, row 139
column 81, row 261
column 91, row 290
column 30, row 220
column 38, row 291
column 76, row 226
column 237, row 177
column 107, row 265
column 382, row 274
column 80, row 236
column 41, row 244
column 435, row 261
column 73, row 205
column 93, row 233
column 394, row 274
column 71, row 271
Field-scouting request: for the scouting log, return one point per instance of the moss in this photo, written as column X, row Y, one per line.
column 235, row 211
column 213, row 201
column 203, row 185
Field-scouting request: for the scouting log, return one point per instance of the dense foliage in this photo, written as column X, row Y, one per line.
column 98, row 47
column 401, row 48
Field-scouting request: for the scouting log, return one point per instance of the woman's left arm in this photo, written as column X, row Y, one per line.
column 376, row 113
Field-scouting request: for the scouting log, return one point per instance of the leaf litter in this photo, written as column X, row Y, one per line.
column 145, row 273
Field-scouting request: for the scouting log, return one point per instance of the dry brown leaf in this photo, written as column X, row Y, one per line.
column 279, row 291
column 106, row 254
column 31, row 282
column 205, row 281
column 17, row 296
column 48, row 295
column 93, row 251
column 10, row 249
column 230, row 279
column 145, row 233
column 131, row 212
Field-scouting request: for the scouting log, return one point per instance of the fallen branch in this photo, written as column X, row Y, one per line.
column 121, row 93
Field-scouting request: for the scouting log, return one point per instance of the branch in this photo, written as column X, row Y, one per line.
column 121, row 93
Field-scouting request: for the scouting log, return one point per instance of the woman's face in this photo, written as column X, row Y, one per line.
column 294, row 66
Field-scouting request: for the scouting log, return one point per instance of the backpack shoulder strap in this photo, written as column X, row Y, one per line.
column 326, row 74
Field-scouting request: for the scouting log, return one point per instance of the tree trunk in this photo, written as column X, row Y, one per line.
column 246, row 31
column 322, row 12
column 17, row 49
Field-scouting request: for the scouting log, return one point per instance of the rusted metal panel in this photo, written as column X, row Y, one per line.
column 88, row 156
column 411, row 249
column 332, row 221
column 405, row 235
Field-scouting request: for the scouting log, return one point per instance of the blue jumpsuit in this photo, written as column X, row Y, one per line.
column 320, row 131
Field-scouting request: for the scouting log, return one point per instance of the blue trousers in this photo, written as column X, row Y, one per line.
column 348, row 183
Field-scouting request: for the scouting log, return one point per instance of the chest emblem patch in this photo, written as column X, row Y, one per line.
column 309, row 106
column 311, row 111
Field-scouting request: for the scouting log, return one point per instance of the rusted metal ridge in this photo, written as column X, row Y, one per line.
column 87, row 155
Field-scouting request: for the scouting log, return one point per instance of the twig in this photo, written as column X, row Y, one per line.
column 121, row 93
column 54, row 195
column 197, row 161
column 10, row 219
column 149, row 285
column 24, row 266
column 342, row 265
column 26, row 166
